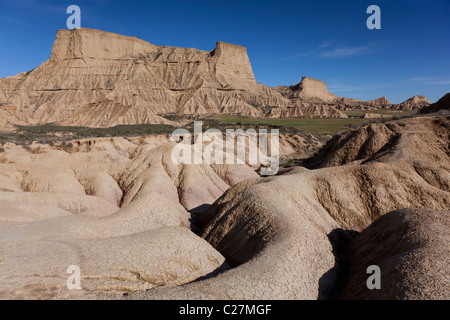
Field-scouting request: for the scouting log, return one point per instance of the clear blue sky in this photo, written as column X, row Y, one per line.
column 286, row 40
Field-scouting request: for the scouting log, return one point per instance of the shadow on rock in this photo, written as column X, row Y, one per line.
column 332, row 282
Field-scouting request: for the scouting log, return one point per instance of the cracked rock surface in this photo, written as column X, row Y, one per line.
column 123, row 216
column 287, row 236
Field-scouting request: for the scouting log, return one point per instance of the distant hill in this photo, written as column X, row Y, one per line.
column 100, row 79
column 442, row 106
column 413, row 103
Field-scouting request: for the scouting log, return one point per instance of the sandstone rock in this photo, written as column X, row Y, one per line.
column 380, row 102
column 355, row 104
column 100, row 79
column 314, row 92
column 285, row 235
column 288, row 247
column 114, row 264
column 119, row 209
column 410, row 246
column 416, row 137
column 442, row 106
column 310, row 99
column 413, row 103
column 308, row 89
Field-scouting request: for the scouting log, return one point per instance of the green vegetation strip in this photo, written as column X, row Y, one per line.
column 122, row 130
column 49, row 133
column 360, row 113
column 316, row 126
column 311, row 125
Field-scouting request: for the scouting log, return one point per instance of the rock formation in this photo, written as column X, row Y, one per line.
column 100, row 79
column 413, row 103
column 309, row 98
column 119, row 208
column 109, row 205
column 355, row 104
column 306, row 110
column 286, row 236
column 136, row 222
column 442, row 106
column 378, row 139
column 308, row 89
column 380, row 102
column 313, row 94
column 410, row 246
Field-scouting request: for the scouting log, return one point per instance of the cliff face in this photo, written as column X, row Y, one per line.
column 95, row 44
column 96, row 78
column 101, row 79
column 310, row 90
column 232, row 63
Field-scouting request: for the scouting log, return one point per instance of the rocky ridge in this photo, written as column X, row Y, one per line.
column 442, row 106
column 287, row 236
column 101, row 79
column 282, row 237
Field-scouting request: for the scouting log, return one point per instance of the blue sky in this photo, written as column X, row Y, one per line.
column 286, row 40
